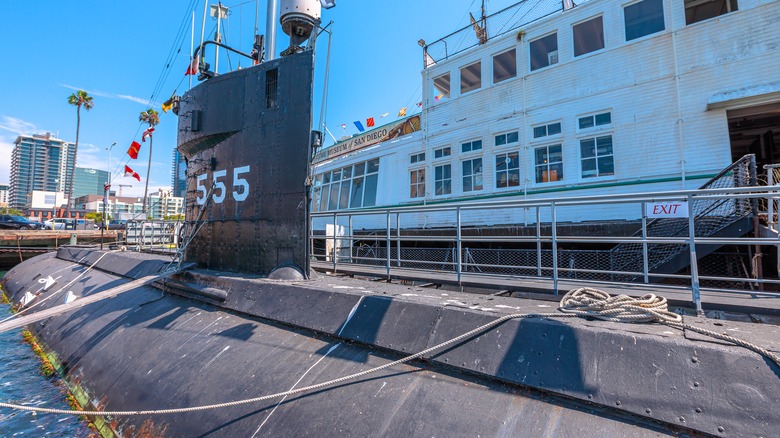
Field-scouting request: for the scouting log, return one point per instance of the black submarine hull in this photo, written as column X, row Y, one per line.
column 172, row 345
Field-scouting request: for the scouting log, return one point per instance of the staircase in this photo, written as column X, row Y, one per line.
column 712, row 218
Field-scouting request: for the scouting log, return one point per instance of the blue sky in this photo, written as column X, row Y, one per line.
column 117, row 51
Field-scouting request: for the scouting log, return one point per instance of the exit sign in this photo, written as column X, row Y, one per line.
column 666, row 209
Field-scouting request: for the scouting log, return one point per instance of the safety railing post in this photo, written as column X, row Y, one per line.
column 554, row 247
column 538, row 242
column 351, row 240
column 695, row 292
column 334, row 243
column 770, row 201
column 458, row 246
column 398, row 239
column 645, row 262
column 387, row 245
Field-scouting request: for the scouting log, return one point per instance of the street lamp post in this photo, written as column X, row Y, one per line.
column 106, row 192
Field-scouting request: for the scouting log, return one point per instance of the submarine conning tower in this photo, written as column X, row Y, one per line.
column 246, row 136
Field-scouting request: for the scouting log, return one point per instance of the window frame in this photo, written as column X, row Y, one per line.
column 437, row 181
column 479, row 82
column 531, row 68
column 417, row 158
column 445, row 95
column 595, row 137
column 443, row 155
column 539, row 178
column 574, row 36
column 416, row 184
column 647, row 35
column 595, row 127
column 506, row 135
column 728, row 3
column 471, row 146
column 493, row 65
column 547, row 136
column 473, row 175
column 508, row 170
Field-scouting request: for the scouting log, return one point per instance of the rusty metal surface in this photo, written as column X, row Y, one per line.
column 226, row 125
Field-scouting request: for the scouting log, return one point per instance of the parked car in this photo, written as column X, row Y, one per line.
column 114, row 225
column 60, row 223
column 9, row 222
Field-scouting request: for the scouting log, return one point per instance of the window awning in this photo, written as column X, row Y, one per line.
column 745, row 97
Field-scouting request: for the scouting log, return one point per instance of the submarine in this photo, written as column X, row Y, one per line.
column 237, row 336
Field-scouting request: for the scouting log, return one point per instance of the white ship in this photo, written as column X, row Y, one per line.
column 549, row 100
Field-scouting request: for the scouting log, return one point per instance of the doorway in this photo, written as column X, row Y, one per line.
column 756, row 130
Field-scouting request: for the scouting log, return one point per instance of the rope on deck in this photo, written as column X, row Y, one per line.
column 583, row 302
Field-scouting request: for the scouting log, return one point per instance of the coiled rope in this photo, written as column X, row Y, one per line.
column 583, row 302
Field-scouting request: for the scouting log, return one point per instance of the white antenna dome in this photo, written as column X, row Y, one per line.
column 299, row 18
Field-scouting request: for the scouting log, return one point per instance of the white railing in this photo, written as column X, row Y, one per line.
column 716, row 218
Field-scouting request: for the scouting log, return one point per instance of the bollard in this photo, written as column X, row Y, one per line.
column 73, row 239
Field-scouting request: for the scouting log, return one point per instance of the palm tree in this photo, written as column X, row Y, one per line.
column 78, row 99
column 151, row 117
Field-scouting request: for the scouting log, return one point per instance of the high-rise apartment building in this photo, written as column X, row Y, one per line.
column 179, row 180
column 88, row 182
column 3, row 195
column 39, row 162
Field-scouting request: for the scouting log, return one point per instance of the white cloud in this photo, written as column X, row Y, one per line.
column 144, row 102
column 17, row 126
column 97, row 93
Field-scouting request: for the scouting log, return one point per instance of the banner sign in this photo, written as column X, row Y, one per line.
column 378, row 135
column 666, row 209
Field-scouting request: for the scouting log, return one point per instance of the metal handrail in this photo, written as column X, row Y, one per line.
column 455, row 238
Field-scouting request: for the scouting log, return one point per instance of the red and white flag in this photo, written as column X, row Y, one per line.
column 131, row 172
column 133, row 150
column 147, row 133
column 193, row 67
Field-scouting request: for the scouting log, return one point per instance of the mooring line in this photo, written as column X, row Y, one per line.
column 583, row 302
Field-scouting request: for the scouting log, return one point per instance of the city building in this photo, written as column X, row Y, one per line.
column 39, row 162
column 3, row 195
column 88, row 182
column 179, row 179
column 163, row 204
column 159, row 205
column 45, row 205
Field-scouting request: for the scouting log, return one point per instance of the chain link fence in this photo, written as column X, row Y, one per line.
column 710, row 217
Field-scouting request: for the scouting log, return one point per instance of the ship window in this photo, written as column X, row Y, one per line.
column 417, row 183
column 472, row 175
column 417, row 158
column 272, row 88
column 547, row 130
column 471, row 146
column 441, row 87
column 470, row 77
column 508, row 138
column 594, row 120
column 597, row 157
column 508, row 170
column 348, row 187
column 357, row 193
column 643, row 18
column 442, row 176
column 544, row 51
column 504, row 66
column 548, row 163
column 442, row 152
column 700, row 10
column 588, row 36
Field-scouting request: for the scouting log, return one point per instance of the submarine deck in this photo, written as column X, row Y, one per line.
column 149, row 349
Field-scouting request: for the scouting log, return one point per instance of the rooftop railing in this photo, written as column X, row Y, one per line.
column 494, row 25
